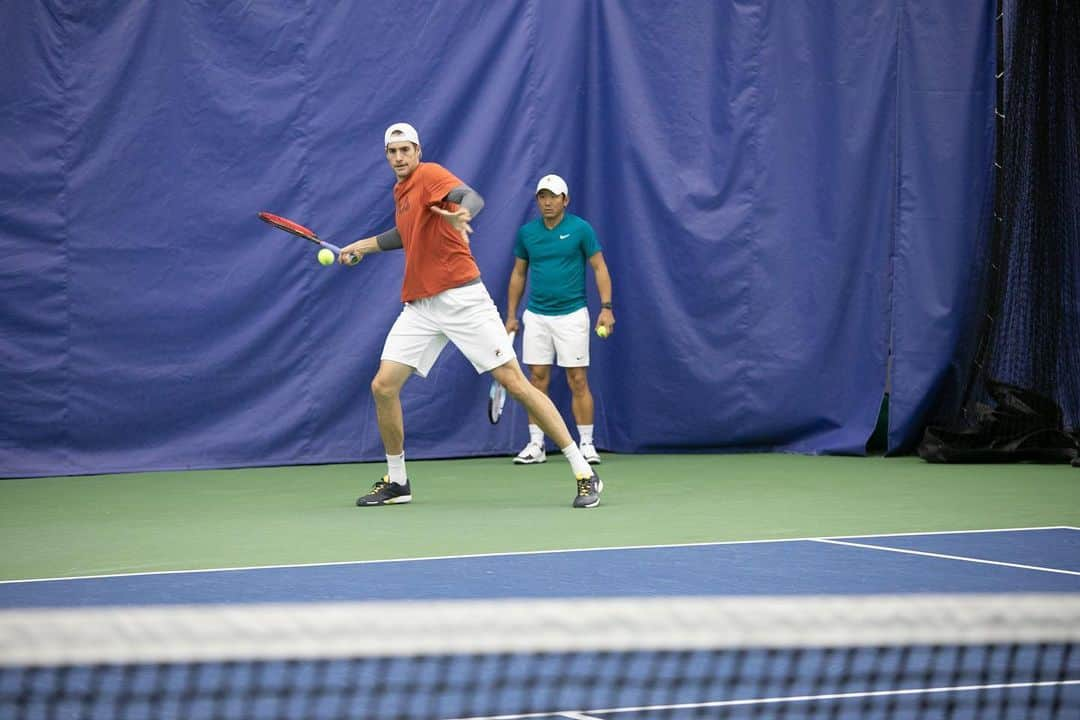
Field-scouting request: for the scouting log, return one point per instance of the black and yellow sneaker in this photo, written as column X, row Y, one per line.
column 588, row 491
column 385, row 492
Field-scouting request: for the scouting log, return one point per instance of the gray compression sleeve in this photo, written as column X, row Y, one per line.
column 389, row 240
column 467, row 198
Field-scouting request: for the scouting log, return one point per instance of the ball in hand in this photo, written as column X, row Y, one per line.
column 602, row 331
column 326, row 256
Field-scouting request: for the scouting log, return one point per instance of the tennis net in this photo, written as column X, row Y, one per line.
column 969, row 656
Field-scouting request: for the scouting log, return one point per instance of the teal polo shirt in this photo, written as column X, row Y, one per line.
column 557, row 260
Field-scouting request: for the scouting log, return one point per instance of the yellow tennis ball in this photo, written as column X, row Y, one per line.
column 602, row 331
column 326, row 256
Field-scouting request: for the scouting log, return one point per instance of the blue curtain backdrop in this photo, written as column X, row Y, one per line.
column 783, row 190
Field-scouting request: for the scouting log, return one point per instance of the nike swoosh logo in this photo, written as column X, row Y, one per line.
column 563, row 237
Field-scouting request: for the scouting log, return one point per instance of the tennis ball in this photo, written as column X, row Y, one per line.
column 326, row 256
column 602, row 331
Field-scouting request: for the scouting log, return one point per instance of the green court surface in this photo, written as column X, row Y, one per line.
column 91, row 525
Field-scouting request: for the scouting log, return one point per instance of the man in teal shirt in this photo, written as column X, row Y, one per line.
column 551, row 252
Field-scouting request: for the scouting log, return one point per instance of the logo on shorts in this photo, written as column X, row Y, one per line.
column 498, row 352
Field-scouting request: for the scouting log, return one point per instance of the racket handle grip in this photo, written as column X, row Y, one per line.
column 337, row 251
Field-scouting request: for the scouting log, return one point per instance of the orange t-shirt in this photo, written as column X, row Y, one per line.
column 436, row 257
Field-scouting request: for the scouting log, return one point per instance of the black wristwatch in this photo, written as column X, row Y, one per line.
column 605, row 306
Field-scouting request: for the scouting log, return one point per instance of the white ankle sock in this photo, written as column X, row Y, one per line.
column 585, row 433
column 577, row 461
column 536, row 435
column 395, row 464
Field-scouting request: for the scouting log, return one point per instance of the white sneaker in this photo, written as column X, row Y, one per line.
column 589, row 451
column 531, row 454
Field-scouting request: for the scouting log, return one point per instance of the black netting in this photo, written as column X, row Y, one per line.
column 1020, row 398
column 1004, row 681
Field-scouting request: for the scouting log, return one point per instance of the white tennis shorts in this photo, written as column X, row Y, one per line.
column 564, row 338
column 466, row 316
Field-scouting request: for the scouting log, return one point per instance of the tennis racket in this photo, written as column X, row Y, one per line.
column 295, row 228
column 497, row 396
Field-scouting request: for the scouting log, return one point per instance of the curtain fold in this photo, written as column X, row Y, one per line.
column 785, row 194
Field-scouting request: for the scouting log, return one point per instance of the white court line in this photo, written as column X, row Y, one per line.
column 530, row 552
column 792, row 698
column 578, row 716
column 905, row 551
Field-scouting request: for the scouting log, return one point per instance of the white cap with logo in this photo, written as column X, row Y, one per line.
column 555, row 184
column 401, row 132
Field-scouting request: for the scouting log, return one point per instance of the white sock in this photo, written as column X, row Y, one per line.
column 577, row 461
column 396, row 466
column 585, row 433
column 536, row 435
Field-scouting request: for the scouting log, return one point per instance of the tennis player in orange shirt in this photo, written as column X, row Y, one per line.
column 444, row 300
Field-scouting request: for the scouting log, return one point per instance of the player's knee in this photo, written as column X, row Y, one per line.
column 381, row 388
column 517, row 386
column 578, row 382
column 540, row 377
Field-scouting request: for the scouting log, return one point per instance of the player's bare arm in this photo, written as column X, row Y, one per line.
column 606, row 318
column 518, row 275
column 356, row 251
column 384, row 241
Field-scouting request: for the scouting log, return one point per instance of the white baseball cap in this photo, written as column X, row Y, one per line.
column 401, row 132
column 554, row 183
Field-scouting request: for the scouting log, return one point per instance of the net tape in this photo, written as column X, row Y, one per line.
column 337, row 630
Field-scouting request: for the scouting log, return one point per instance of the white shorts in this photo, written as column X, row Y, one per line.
column 466, row 316
column 561, row 337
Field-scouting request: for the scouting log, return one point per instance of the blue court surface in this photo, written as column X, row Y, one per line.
column 1022, row 561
